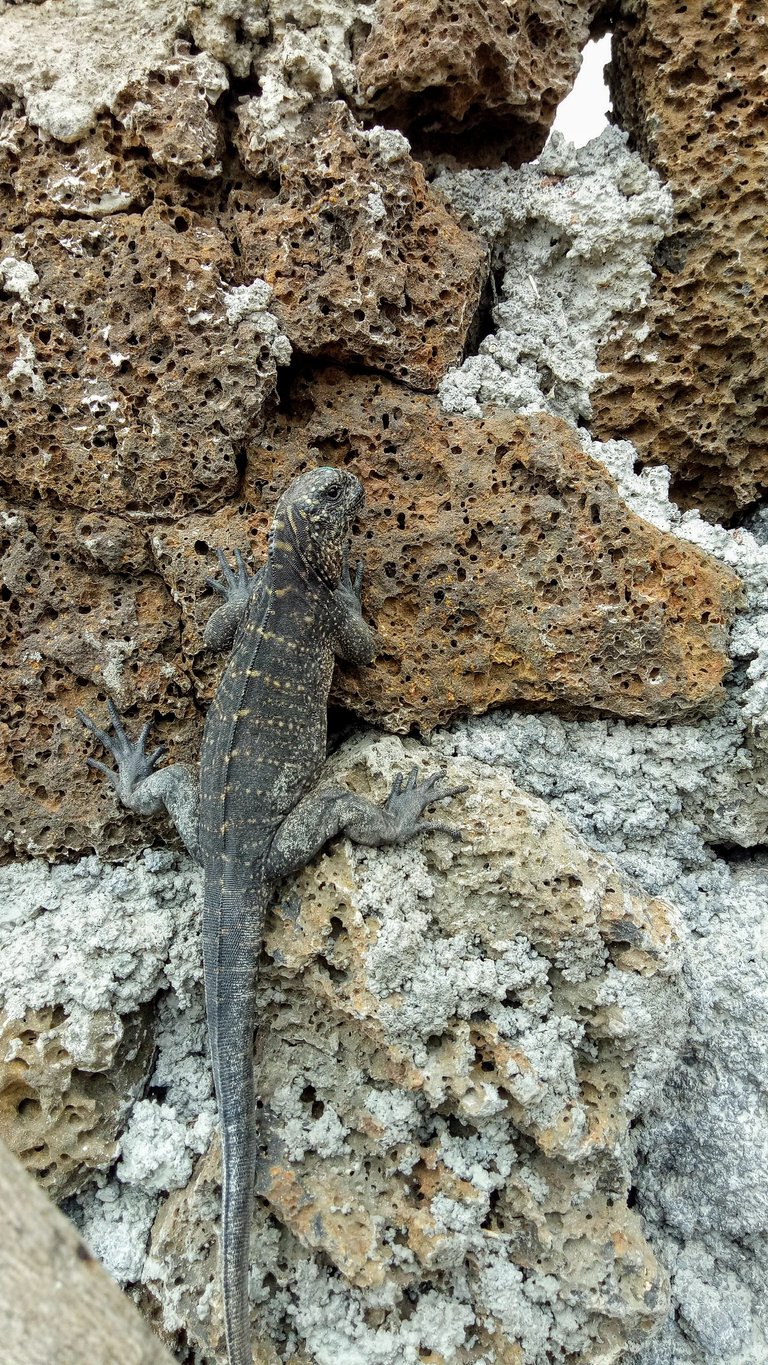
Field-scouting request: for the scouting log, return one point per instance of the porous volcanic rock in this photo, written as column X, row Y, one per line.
column 501, row 566
column 65, row 1091
column 686, row 381
column 501, row 563
column 472, row 79
column 367, row 264
column 83, row 617
column 169, row 112
column 132, row 367
column 456, row 1037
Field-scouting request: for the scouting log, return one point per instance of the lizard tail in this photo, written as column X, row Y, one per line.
column 232, row 929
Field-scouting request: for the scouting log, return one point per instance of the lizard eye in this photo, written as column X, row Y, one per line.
column 333, row 492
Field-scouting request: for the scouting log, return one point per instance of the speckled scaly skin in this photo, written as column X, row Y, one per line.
column 264, row 746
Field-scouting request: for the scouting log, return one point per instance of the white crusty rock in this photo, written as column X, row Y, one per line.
column 456, row 1036
column 571, row 236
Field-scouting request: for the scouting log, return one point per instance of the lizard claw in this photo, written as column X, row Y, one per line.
column 408, row 799
column 233, row 582
column 132, row 762
column 352, row 585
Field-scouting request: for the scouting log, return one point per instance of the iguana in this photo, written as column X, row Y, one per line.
column 264, row 745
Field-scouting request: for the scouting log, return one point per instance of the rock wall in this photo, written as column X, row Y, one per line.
column 687, row 384
column 511, row 1091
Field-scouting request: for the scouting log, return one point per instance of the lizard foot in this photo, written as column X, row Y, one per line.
column 235, row 584
column 348, row 585
column 134, row 764
column 408, row 799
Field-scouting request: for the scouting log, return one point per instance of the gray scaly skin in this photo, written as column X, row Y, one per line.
column 264, row 746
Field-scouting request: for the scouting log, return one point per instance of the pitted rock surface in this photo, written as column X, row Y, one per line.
column 501, row 566
column 84, row 616
column 686, row 380
column 470, row 79
column 128, row 381
column 367, row 264
column 65, row 1091
column 170, row 113
column 455, row 1044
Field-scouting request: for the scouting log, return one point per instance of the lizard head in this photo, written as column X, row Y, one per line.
column 314, row 517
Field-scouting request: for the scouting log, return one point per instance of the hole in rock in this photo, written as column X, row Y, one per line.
column 582, row 115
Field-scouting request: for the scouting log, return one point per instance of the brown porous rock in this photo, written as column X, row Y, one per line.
column 475, row 80
column 65, row 1091
column 170, row 113
column 686, row 380
column 133, row 366
column 447, row 1066
column 84, row 616
column 367, row 264
column 502, row 566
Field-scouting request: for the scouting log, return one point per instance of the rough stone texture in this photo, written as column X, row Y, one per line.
column 475, row 80
column 571, row 238
column 686, row 382
column 365, row 261
column 170, row 113
column 121, row 611
column 66, row 1085
column 70, row 60
column 84, row 617
column 709, row 1121
column 128, row 380
column 472, row 79
column 656, row 801
column 552, row 594
column 667, row 803
column 673, row 804
column 58, row 1304
column 458, row 1038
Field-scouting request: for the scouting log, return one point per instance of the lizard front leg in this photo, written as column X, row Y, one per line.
column 236, row 587
column 351, row 637
column 139, row 786
column 322, row 815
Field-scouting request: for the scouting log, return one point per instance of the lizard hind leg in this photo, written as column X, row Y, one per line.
column 324, row 814
column 139, row 784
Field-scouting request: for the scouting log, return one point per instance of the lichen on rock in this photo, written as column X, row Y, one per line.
column 571, row 238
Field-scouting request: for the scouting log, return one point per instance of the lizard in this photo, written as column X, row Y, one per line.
column 258, row 818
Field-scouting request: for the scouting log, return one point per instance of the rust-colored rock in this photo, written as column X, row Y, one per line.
column 501, row 567
column 132, row 369
column 446, row 1091
column 169, row 112
column 501, row 564
column 83, row 617
column 366, row 262
column 690, row 389
column 64, row 1096
column 93, row 178
column 472, row 79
